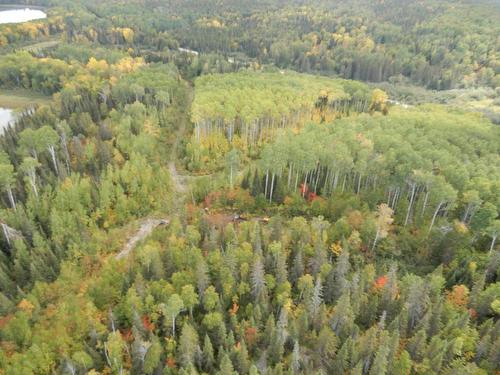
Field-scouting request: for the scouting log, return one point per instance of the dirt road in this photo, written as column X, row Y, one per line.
column 145, row 230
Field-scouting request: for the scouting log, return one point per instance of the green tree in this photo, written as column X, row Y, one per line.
column 189, row 298
column 445, row 195
column 295, row 365
column 379, row 101
column 48, row 138
column 30, row 142
column 153, row 356
column 484, row 217
column 232, row 164
column 28, row 167
column 173, row 308
column 241, row 358
column 188, row 345
column 493, row 230
column 208, row 355
column 342, row 321
column 384, row 220
column 380, row 361
column 7, row 179
column 114, row 349
column 258, row 280
column 210, row 299
column 226, row 366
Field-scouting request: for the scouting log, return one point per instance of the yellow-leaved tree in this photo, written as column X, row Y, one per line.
column 384, row 221
column 378, row 102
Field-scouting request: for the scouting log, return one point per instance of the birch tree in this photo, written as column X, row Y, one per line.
column 173, row 308
column 493, row 231
column 48, row 139
column 444, row 195
column 7, row 180
column 30, row 142
column 28, row 167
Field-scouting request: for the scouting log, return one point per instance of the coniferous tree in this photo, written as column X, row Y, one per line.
column 295, row 365
column 188, row 345
column 208, row 354
column 380, row 362
column 342, row 321
column 226, row 367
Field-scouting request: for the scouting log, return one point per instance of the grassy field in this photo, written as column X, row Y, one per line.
column 21, row 98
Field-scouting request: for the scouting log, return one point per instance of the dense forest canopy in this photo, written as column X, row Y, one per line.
column 253, row 106
column 436, row 44
column 258, row 187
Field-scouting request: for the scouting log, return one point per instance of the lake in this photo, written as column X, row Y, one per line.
column 20, row 15
column 6, row 116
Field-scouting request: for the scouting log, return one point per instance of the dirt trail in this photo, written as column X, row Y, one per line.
column 179, row 184
column 145, row 230
column 179, row 181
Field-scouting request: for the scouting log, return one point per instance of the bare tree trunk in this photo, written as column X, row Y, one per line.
column 10, row 232
column 65, row 149
column 272, row 187
column 466, row 213
column 435, row 215
column 267, row 180
column 32, row 179
column 318, row 173
column 395, row 197
column 469, row 213
column 52, row 152
column 305, row 185
column 327, row 185
column 11, row 198
column 6, row 233
column 376, row 239
column 424, row 206
column 493, row 240
column 411, row 204
column 296, row 180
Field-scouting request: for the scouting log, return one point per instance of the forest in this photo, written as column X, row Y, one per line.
column 256, row 188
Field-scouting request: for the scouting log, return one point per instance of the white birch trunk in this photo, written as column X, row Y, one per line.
column 11, row 198
column 493, row 240
column 272, row 187
column 410, row 205
column 435, row 215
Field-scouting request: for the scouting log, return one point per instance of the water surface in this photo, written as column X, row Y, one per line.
column 21, row 15
column 6, row 116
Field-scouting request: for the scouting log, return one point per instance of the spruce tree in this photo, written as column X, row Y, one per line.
column 208, row 355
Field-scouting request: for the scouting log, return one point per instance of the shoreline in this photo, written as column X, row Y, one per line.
column 21, row 6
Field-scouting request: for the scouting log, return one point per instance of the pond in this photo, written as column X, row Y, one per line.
column 6, row 116
column 20, row 15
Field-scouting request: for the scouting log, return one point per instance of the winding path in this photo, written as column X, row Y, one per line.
column 179, row 184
